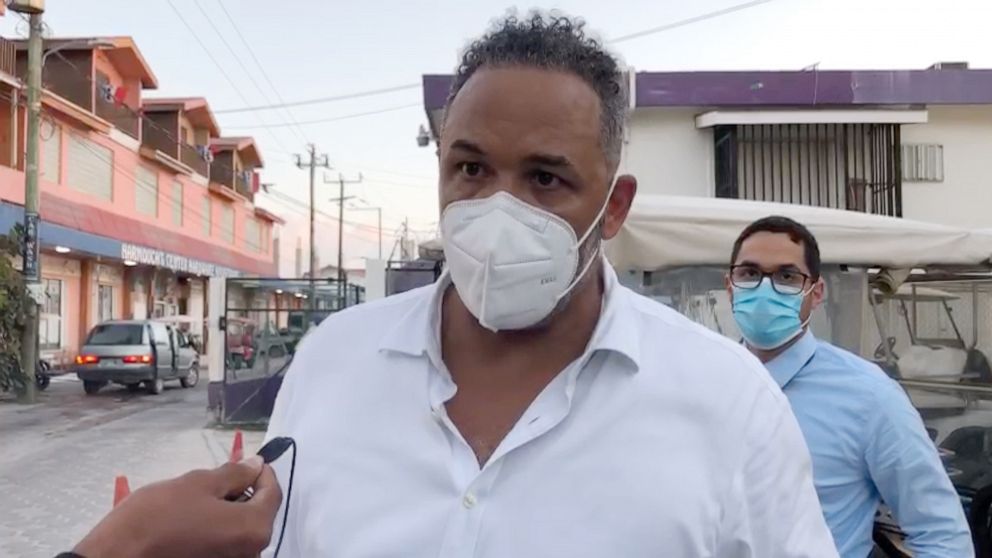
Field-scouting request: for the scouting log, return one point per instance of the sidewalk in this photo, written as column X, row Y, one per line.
column 57, row 471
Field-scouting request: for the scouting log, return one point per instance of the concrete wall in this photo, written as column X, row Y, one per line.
column 964, row 198
column 668, row 155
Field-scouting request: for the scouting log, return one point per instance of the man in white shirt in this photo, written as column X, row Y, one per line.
column 527, row 404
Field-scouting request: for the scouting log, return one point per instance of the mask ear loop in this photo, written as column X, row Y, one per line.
column 578, row 245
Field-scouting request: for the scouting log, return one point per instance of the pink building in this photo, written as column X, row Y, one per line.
column 142, row 200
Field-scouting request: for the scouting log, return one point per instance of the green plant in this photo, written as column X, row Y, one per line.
column 14, row 301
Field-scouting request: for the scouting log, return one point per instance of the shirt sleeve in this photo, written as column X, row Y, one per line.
column 912, row 481
column 280, row 425
column 774, row 510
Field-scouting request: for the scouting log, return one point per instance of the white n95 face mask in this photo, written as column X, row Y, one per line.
column 511, row 262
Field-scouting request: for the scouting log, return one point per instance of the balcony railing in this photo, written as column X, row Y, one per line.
column 8, row 57
column 243, row 187
column 121, row 116
column 191, row 157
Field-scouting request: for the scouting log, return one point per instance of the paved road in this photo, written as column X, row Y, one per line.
column 59, row 458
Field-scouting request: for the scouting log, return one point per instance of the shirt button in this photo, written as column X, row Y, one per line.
column 469, row 501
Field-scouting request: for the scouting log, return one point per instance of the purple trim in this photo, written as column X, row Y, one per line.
column 949, row 87
column 436, row 89
column 809, row 88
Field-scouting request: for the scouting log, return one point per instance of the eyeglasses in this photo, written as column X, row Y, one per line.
column 784, row 281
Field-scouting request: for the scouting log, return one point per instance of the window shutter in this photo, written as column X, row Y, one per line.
column 90, row 167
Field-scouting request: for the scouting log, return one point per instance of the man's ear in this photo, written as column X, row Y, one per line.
column 618, row 206
column 818, row 294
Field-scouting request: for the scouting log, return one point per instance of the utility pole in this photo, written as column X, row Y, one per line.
column 340, row 201
column 31, row 267
column 313, row 162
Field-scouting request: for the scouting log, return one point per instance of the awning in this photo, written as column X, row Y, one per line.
column 785, row 116
column 671, row 231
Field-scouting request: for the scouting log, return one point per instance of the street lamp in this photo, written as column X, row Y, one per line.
column 379, row 211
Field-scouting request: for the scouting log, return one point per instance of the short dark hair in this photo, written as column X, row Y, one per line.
column 797, row 232
column 555, row 42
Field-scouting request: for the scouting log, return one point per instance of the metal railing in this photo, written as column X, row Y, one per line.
column 191, row 158
column 845, row 166
column 8, row 57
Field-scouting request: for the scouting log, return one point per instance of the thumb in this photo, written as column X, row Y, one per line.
column 232, row 479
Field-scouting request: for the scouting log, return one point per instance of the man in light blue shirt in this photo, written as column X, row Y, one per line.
column 868, row 443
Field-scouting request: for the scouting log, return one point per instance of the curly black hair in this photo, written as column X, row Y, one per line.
column 555, row 42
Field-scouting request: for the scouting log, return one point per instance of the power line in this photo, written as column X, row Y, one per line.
column 357, row 95
column 219, row 66
column 265, row 75
column 331, row 119
column 689, row 21
column 237, row 59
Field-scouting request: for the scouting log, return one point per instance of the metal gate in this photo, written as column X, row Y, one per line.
column 845, row 166
column 262, row 324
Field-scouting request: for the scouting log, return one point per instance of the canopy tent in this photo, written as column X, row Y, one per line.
column 669, row 231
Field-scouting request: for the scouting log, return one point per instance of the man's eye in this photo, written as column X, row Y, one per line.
column 546, row 179
column 470, row 169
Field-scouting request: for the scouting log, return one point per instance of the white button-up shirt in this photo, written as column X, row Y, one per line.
column 662, row 439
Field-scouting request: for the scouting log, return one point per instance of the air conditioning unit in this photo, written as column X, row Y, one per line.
column 27, row 6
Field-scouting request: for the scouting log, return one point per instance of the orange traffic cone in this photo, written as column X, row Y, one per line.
column 121, row 489
column 238, row 449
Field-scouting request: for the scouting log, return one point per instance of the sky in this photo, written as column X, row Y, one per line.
column 312, row 49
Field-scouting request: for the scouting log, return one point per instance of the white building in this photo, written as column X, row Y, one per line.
column 915, row 144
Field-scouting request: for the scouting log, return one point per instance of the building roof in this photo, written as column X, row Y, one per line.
column 789, row 88
column 269, row 216
column 123, row 53
column 244, row 145
column 196, row 109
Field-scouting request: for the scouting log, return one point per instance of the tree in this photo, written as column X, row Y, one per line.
column 14, row 301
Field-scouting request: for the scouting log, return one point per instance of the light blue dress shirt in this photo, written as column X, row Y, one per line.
column 869, row 445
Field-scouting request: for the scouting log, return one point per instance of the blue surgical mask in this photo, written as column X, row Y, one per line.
column 767, row 318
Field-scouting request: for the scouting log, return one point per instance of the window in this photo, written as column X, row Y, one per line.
column 50, row 324
column 51, row 153
column 118, row 334
column 206, row 216
column 161, row 334
column 146, row 191
column 105, row 295
column 227, row 223
column 922, row 162
column 177, row 204
column 90, row 167
column 253, row 235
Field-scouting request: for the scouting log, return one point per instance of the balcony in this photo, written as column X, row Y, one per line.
column 242, row 184
column 191, row 158
column 8, row 57
column 121, row 116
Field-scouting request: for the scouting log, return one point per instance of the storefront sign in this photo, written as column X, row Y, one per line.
column 175, row 262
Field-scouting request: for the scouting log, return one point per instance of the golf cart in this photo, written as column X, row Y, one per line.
column 677, row 250
column 931, row 345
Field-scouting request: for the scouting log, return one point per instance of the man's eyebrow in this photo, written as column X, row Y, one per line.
column 786, row 267
column 465, row 145
column 549, row 160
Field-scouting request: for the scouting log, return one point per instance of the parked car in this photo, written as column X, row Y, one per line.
column 135, row 353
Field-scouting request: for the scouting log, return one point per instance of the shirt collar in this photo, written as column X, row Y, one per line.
column 785, row 366
column 616, row 330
